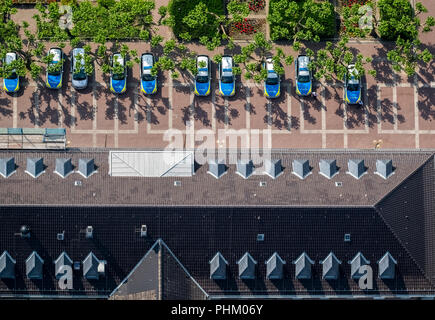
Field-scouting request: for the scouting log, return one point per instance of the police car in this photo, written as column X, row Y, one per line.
column 148, row 82
column 227, row 81
column 79, row 76
column 54, row 74
column 352, row 86
column 272, row 83
column 303, row 76
column 11, row 83
column 203, row 77
column 118, row 81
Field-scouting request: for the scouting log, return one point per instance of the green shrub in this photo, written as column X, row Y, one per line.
column 122, row 19
column 301, row 20
column 179, row 10
column 396, row 19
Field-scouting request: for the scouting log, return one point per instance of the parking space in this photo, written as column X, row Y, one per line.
column 125, row 107
column 259, row 108
column 182, row 97
column 405, row 108
column 154, row 111
column 394, row 115
column 426, row 108
column 334, row 107
column 82, row 106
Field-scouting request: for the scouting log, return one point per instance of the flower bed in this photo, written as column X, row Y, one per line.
column 246, row 29
column 350, row 3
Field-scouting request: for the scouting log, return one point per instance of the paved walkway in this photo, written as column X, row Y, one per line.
column 398, row 112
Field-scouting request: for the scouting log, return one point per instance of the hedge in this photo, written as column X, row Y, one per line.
column 178, row 9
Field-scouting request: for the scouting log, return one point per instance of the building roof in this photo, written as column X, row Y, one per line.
column 397, row 213
column 201, row 188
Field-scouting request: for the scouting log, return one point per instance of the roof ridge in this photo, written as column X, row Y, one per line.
column 404, row 247
column 403, row 181
column 375, row 207
column 161, row 243
column 183, row 267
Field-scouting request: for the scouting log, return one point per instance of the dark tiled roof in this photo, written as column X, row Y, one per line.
column 395, row 216
column 203, row 189
column 194, row 235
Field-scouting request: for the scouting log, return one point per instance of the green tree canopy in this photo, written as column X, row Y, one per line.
column 301, row 20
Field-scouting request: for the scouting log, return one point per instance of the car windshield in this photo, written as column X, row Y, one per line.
column 54, row 72
column 147, row 77
column 353, row 87
column 227, row 79
column 79, row 75
column 118, row 76
column 272, row 80
column 202, row 79
column 12, row 76
column 304, row 78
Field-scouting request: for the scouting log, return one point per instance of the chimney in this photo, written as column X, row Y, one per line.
column 216, row 168
column 301, row 168
column 245, row 168
column 89, row 232
column 7, row 166
column 356, row 168
column 273, row 168
column 384, row 168
column 328, row 168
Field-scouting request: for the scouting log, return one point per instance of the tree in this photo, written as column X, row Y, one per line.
column 196, row 20
column 254, row 54
column 306, row 20
column 400, row 23
column 333, row 61
column 176, row 58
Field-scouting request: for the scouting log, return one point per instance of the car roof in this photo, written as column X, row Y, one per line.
column 147, row 63
column 303, row 62
column 118, row 57
column 202, row 71
column 227, row 62
column 269, row 64
column 351, row 68
column 78, row 51
column 10, row 56
column 202, row 58
column 56, row 52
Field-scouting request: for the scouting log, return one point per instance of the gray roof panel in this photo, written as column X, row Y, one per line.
column 63, row 167
column 7, row 166
column 387, row 266
column 245, row 168
column 301, row 168
column 303, row 265
column 60, row 262
column 384, row 168
column 34, row 264
column 356, row 168
column 328, row 168
column 7, row 266
column 247, row 267
column 218, row 267
column 273, row 167
column 275, row 267
column 330, row 267
column 35, row 167
column 355, row 264
column 217, row 168
column 90, row 267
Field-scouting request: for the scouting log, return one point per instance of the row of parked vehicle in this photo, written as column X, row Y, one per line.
column 148, row 82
